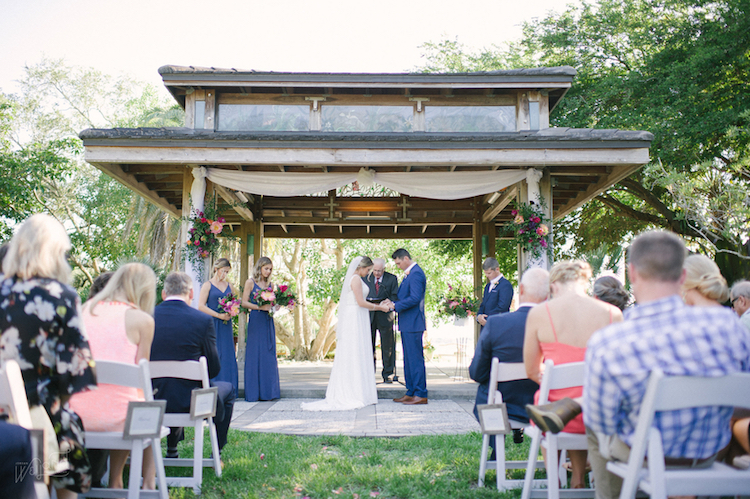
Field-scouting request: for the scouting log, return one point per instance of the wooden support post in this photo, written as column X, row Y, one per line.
column 477, row 259
column 244, row 274
column 209, row 122
column 187, row 183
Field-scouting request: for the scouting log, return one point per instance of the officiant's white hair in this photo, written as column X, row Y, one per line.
column 379, row 261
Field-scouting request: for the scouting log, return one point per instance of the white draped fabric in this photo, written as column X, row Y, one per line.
column 430, row 185
column 197, row 199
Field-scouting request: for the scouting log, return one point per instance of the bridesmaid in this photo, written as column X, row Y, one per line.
column 261, row 368
column 211, row 292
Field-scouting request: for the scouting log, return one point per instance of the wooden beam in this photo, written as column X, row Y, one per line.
column 604, row 183
column 509, row 195
column 512, row 158
column 131, row 183
column 236, row 203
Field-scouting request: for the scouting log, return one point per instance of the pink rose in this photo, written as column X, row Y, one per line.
column 513, row 213
column 543, row 242
column 283, row 288
column 216, row 227
column 518, row 220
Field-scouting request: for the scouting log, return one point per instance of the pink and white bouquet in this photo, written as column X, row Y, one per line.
column 231, row 305
column 280, row 296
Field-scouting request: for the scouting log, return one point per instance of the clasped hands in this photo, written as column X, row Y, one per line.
column 386, row 305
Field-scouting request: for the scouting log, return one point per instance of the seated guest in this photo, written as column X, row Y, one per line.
column 120, row 328
column 502, row 337
column 740, row 297
column 498, row 293
column 559, row 330
column 184, row 333
column 609, row 289
column 661, row 331
column 704, row 286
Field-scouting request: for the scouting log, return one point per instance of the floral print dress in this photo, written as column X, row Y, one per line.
column 41, row 329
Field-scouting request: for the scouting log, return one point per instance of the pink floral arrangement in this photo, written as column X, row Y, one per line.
column 280, row 296
column 231, row 305
column 529, row 228
column 458, row 305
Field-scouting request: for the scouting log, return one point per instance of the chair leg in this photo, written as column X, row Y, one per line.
column 553, row 477
column 161, row 477
column 198, row 458
column 483, row 460
column 215, row 446
column 531, row 464
column 500, row 462
column 136, row 469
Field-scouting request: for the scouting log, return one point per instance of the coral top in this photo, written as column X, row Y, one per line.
column 105, row 409
column 562, row 353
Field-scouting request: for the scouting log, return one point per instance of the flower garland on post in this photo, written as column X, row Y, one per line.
column 203, row 242
column 530, row 228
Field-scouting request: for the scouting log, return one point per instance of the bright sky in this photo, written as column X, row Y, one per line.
column 138, row 36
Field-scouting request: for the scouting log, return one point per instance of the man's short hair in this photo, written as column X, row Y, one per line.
column 177, row 284
column 400, row 253
column 740, row 288
column 490, row 263
column 536, row 283
column 378, row 261
column 658, row 255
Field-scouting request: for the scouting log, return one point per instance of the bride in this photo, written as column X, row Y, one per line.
column 352, row 382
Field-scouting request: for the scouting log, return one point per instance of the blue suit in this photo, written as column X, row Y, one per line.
column 412, row 324
column 502, row 337
column 498, row 300
column 184, row 333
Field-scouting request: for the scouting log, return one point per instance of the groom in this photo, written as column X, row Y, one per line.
column 412, row 324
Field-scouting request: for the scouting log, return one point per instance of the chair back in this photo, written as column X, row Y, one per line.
column 500, row 372
column 13, row 394
column 560, row 376
column 122, row 374
column 194, row 370
column 671, row 393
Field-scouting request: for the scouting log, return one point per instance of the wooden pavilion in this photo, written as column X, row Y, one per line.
column 455, row 149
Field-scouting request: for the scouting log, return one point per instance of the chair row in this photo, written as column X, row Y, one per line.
column 663, row 394
column 13, row 396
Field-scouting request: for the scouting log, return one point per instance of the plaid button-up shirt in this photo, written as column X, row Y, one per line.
column 681, row 341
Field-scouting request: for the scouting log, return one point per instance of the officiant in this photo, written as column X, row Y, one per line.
column 383, row 285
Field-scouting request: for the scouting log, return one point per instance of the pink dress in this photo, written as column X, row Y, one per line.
column 105, row 408
column 561, row 353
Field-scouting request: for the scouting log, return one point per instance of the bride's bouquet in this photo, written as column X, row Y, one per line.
column 231, row 305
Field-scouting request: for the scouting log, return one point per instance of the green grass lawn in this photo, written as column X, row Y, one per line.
column 263, row 465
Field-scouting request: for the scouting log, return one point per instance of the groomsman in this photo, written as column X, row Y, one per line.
column 412, row 324
column 498, row 293
column 383, row 285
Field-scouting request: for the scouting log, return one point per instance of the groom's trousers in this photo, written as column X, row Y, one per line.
column 414, row 370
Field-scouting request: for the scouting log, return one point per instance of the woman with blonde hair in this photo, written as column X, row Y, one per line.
column 40, row 328
column 120, row 324
column 704, row 285
column 559, row 330
column 213, row 290
column 261, row 366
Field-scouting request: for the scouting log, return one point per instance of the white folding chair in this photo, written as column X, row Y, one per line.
column 195, row 371
column 669, row 393
column 13, row 398
column 555, row 377
column 499, row 372
column 134, row 376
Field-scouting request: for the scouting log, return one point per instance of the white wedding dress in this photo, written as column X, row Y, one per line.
column 352, row 381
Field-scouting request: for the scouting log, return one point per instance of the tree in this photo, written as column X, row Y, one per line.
column 41, row 151
column 675, row 68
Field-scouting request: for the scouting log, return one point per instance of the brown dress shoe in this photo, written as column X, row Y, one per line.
column 405, row 398
column 416, row 401
column 554, row 416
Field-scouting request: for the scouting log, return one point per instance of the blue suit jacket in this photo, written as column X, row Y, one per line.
column 498, row 300
column 502, row 337
column 410, row 303
column 182, row 333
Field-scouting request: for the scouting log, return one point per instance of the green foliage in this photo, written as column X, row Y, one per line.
column 41, row 168
column 676, row 68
